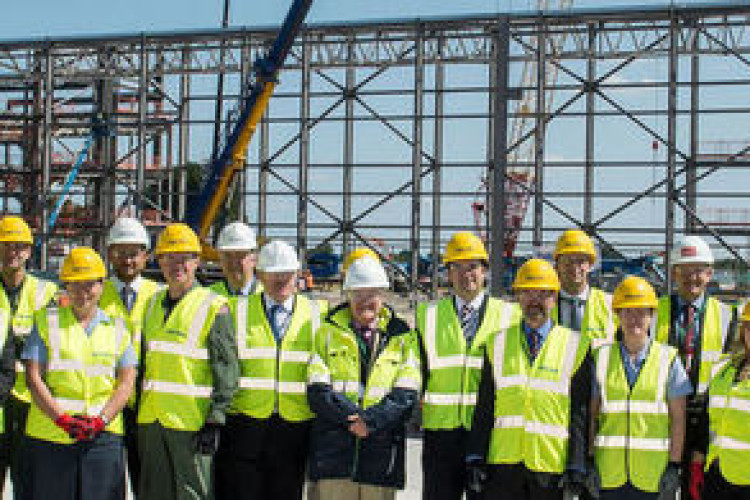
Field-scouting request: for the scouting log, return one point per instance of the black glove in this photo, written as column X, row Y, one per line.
column 476, row 476
column 593, row 481
column 207, row 439
column 670, row 481
column 572, row 484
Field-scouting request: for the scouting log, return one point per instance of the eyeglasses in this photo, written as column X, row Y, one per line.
column 127, row 253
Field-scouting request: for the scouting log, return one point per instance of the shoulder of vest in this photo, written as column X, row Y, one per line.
column 666, row 347
column 332, row 313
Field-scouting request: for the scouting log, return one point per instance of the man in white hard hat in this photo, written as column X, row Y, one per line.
column 126, row 293
column 263, row 450
column 699, row 327
column 237, row 249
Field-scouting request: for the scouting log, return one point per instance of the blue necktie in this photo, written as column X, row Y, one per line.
column 274, row 320
column 128, row 297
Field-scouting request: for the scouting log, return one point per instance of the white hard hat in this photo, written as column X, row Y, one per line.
column 277, row 257
column 128, row 231
column 237, row 236
column 691, row 250
column 365, row 272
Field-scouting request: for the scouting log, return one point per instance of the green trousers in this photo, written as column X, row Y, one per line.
column 171, row 469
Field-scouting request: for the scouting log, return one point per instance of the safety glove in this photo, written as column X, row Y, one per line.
column 669, row 483
column 207, row 439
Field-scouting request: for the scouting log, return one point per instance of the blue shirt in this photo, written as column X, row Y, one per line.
column 36, row 350
column 542, row 333
column 678, row 383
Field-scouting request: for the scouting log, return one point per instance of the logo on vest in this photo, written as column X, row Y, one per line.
column 177, row 333
column 548, row 369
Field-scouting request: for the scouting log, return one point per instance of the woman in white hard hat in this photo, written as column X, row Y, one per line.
column 363, row 383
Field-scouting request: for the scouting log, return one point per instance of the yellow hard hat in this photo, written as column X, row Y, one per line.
column 177, row 238
column 634, row 292
column 82, row 264
column 14, row 229
column 465, row 246
column 575, row 241
column 536, row 274
column 358, row 253
column 745, row 312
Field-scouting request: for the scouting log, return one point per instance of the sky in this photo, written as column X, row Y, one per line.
column 620, row 140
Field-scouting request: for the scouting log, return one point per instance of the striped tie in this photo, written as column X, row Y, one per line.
column 467, row 315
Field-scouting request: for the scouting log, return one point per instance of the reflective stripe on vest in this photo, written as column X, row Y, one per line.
column 632, row 443
column 450, row 392
column 80, row 371
column 599, row 322
column 272, row 379
column 716, row 322
column 178, row 380
column 729, row 425
column 532, row 402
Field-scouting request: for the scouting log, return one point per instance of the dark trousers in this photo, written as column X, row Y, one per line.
column 628, row 492
column 131, row 448
column 516, row 482
column 87, row 470
column 261, row 459
column 444, row 465
column 12, row 455
column 718, row 488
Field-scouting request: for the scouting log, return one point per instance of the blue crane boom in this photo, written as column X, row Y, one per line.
column 231, row 158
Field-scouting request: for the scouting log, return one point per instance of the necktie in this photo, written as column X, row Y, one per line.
column 535, row 341
column 275, row 323
column 467, row 314
column 576, row 313
column 128, row 297
column 689, row 326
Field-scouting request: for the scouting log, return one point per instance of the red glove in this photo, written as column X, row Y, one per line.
column 91, row 427
column 73, row 426
column 696, row 480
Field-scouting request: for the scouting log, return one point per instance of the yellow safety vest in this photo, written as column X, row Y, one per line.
column 729, row 417
column 455, row 368
column 599, row 321
column 717, row 318
column 220, row 288
column 35, row 294
column 177, row 377
column 274, row 378
column 532, row 401
column 632, row 442
column 81, row 370
column 336, row 361
column 4, row 337
column 111, row 303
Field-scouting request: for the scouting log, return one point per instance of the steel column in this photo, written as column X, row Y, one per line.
column 183, row 155
column 501, row 41
column 669, row 232
column 691, row 187
column 416, row 158
column 539, row 134
column 49, row 90
column 304, row 154
column 437, row 183
column 347, row 174
column 588, row 188
column 263, row 166
column 143, row 86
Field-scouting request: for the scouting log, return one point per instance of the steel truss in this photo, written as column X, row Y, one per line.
column 406, row 76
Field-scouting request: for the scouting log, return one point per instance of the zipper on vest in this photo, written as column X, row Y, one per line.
column 627, row 439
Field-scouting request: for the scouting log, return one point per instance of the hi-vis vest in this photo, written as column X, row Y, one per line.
column 35, row 294
column 80, row 371
column 455, row 369
column 729, row 416
column 177, row 378
column 632, row 443
column 532, row 402
column 220, row 288
column 111, row 303
column 336, row 362
column 599, row 322
column 272, row 377
column 717, row 318
column 4, row 337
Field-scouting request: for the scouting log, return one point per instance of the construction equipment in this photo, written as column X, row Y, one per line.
column 231, row 158
column 520, row 174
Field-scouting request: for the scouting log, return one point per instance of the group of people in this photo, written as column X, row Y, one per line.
column 249, row 389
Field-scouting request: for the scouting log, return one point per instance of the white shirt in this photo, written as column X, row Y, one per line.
column 283, row 316
column 119, row 284
column 567, row 309
column 471, row 328
column 245, row 290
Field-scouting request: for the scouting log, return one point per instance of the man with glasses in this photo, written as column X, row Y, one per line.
column 125, row 295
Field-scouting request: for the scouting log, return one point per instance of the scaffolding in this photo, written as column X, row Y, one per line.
column 384, row 129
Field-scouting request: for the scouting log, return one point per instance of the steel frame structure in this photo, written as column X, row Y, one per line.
column 338, row 75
